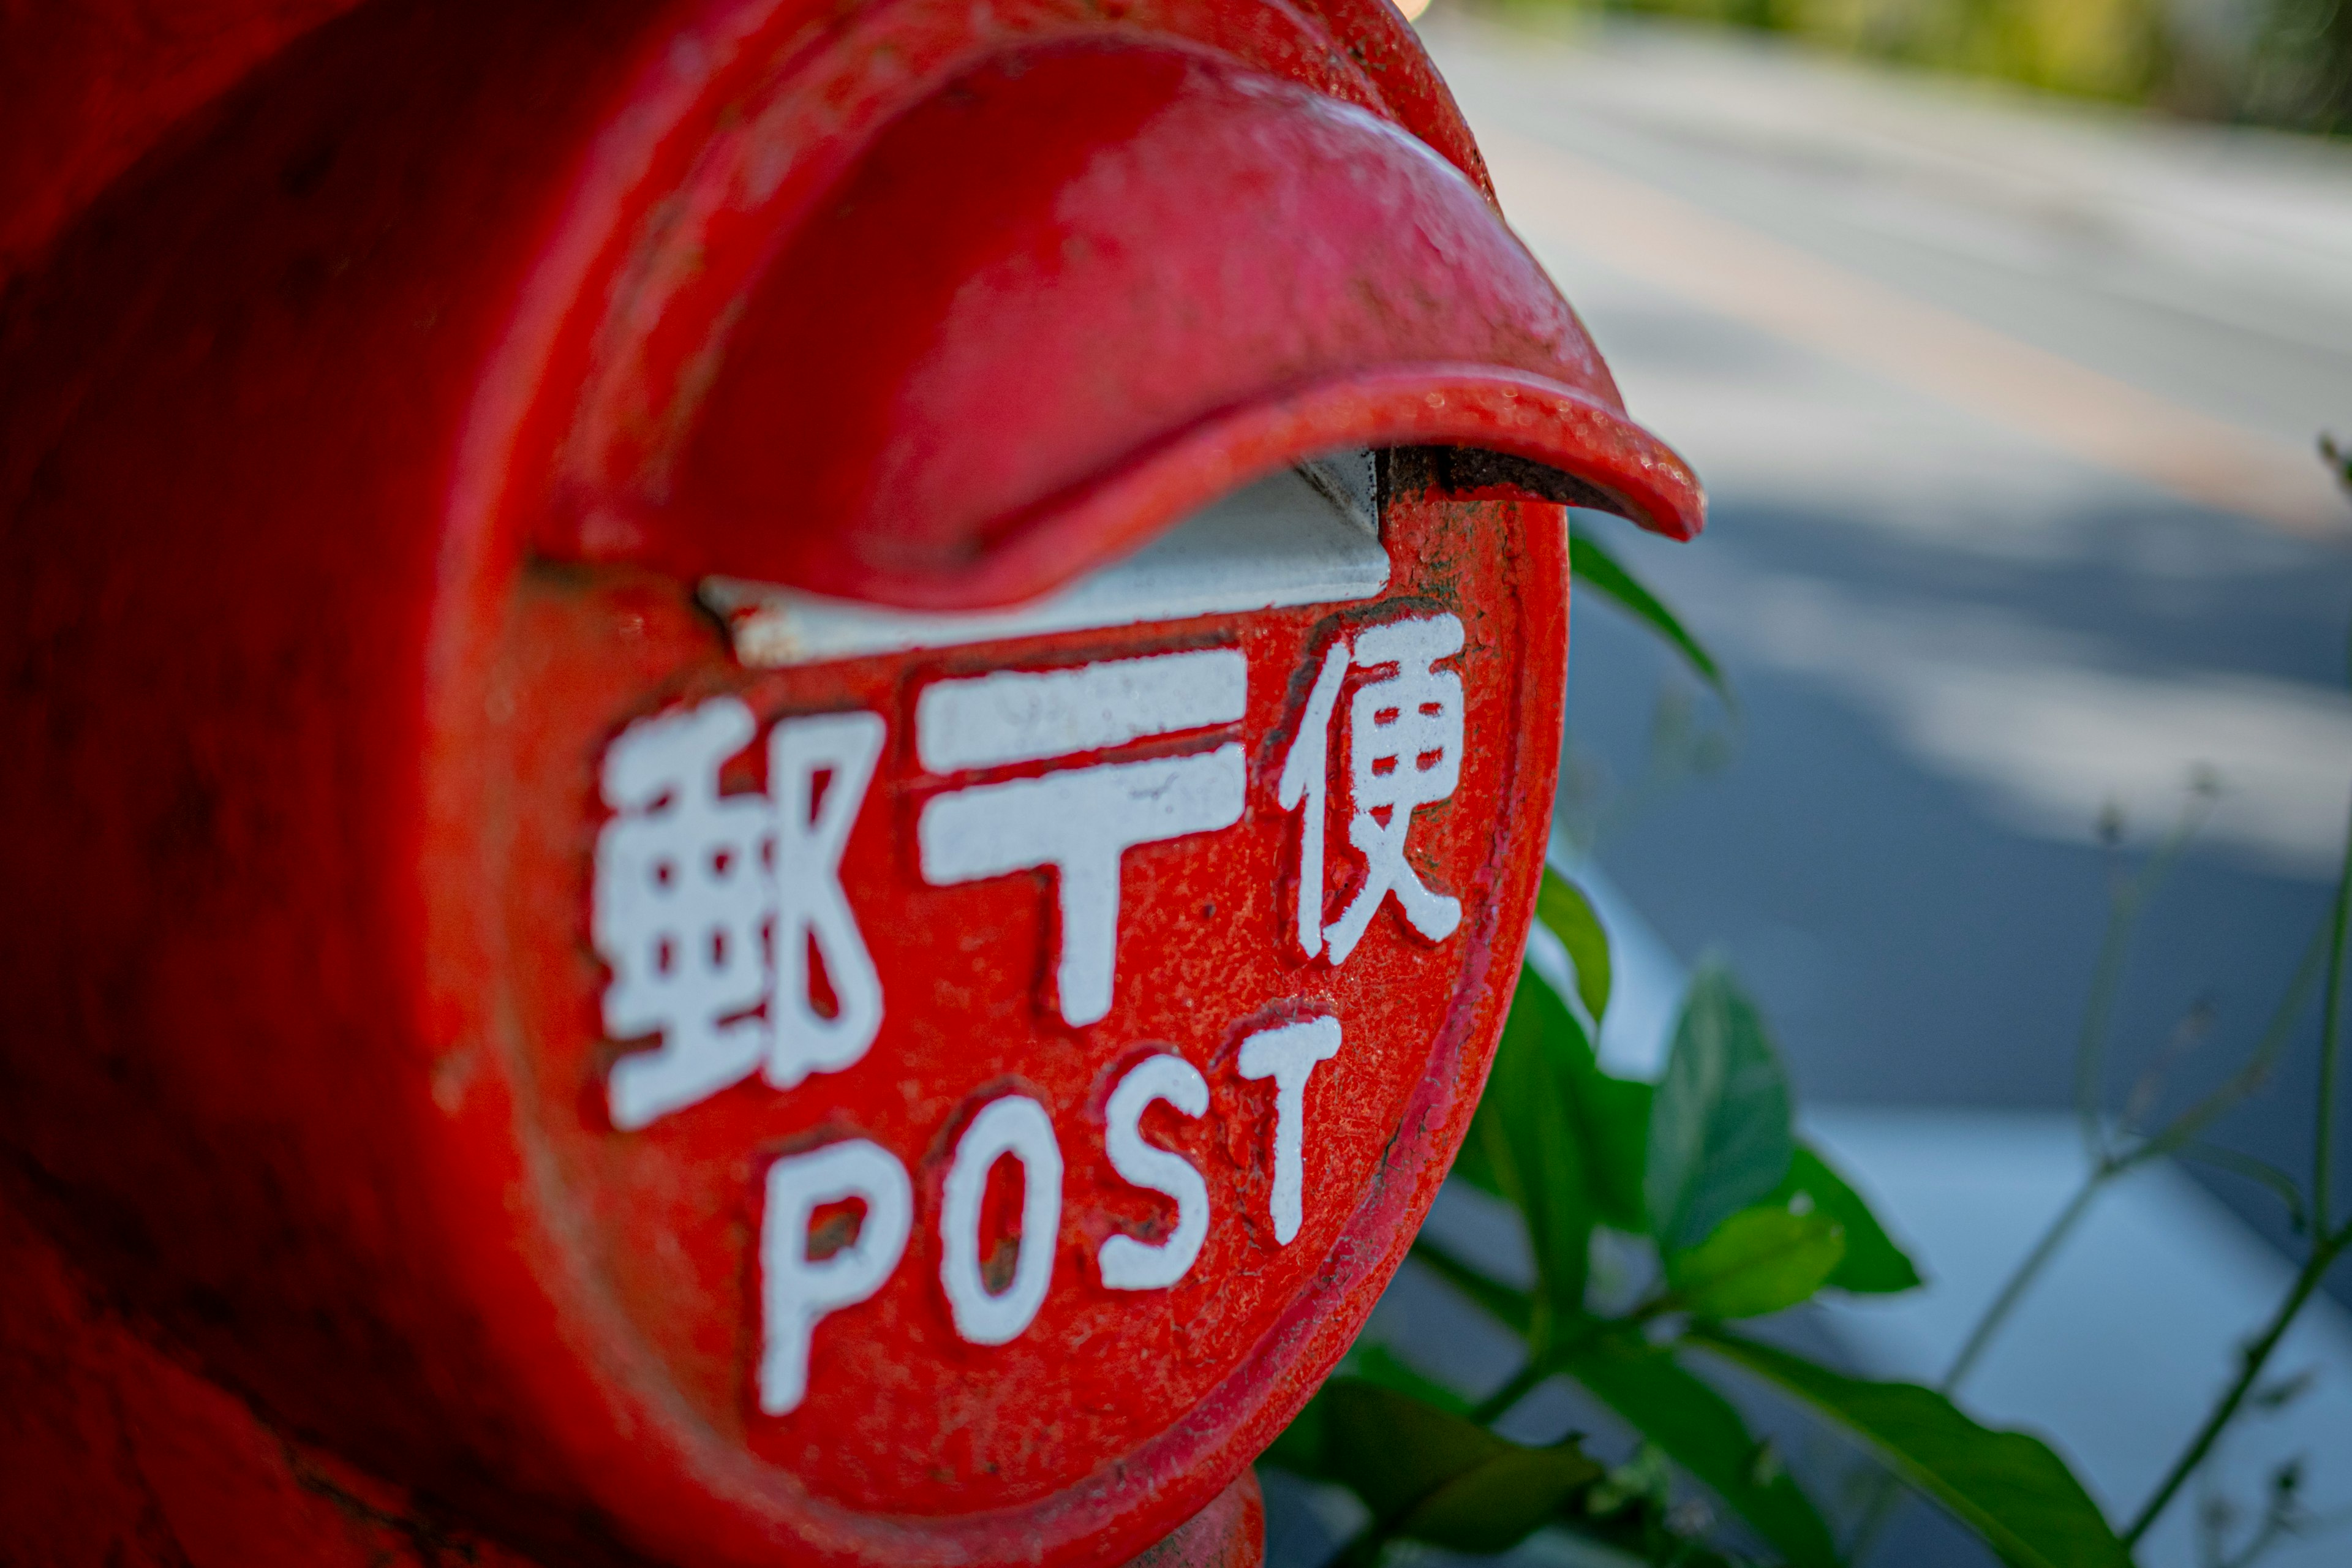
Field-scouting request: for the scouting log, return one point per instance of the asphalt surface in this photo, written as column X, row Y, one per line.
column 1971, row 378
column 2006, row 409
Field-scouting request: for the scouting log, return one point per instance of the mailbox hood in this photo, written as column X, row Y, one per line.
column 361, row 833
column 1057, row 303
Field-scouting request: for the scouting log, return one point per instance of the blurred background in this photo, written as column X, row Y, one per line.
column 2002, row 332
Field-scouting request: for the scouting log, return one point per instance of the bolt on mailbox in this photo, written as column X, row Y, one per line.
column 790, row 760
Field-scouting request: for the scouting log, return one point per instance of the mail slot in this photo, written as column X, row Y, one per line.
column 778, row 768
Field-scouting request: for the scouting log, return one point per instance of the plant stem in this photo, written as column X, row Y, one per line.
column 2265, row 1539
column 2281, row 1184
column 2090, row 1047
column 2322, row 1255
column 1982, row 1336
column 2331, row 1034
column 2251, row 1075
column 2328, row 1244
column 2331, row 1022
column 2123, row 905
column 1492, row 1408
column 1876, row 1513
column 1880, row 1510
column 1545, row 1357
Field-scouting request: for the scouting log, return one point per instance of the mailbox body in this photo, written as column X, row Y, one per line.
column 368, row 449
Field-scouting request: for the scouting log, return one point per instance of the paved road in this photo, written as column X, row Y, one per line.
column 2007, row 412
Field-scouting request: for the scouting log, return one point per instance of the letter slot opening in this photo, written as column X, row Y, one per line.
column 1308, row 535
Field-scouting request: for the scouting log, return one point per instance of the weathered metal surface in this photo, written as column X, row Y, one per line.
column 121, row 1456
column 88, row 88
column 578, row 1076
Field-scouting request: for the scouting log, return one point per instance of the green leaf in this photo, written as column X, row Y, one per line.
column 1568, row 915
column 1300, row 1448
column 1719, row 1136
column 1590, row 564
column 1612, row 1116
column 2007, row 1487
column 1616, row 1115
column 1872, row 1264
column 1391, row 1449
column 1527, row 1129
column 1380, row 1365
column 1500, row 1502
column 1472, row 1166
column 1700, row 1431
column 1760, row 1260
column 1439, row 1477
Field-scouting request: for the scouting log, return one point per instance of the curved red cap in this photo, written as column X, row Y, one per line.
column 1083, row 289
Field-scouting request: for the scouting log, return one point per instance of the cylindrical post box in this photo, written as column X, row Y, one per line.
column 776, row 767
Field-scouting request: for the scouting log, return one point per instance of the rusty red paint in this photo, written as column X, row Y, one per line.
column 977, row 441
column 87, row 89
column 1202, row 957
column 120, row 1457
column 360, row 452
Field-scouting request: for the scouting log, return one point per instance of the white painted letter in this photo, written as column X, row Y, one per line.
column 1404, row 751
column 1080, row 821
column 1018, row 1126
column 705, row 905
column 1128, row 1264
column 809, row 901
column 680, row 900
column 1027, row 716
column 1306, row 780
column 1287, row 1055
column 796, row 1290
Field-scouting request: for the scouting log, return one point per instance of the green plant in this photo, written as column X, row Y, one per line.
column 2286, row 63
column 2114, row 1145
column 1741, row 1220
column 1734, row 1218
column 1591, row 805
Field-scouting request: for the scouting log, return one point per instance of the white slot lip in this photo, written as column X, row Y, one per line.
column 1027, row 716
column 1284, row 542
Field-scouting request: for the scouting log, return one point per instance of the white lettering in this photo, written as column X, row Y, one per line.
column 1018, row 1126
column 1306, row 780
column 1080, row 821
column 796, row 1290
column 1288, row 1055
column 1128, row 1264
column 706, row 905
column 1404, row 751
column 682, row 901
column 1021, row 716
column 810, row 907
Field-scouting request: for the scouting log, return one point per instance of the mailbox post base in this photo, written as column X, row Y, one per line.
column 113, row 1454
column 1228, row 1533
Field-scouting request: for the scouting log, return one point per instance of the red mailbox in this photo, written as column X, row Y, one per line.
column 778, row 767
